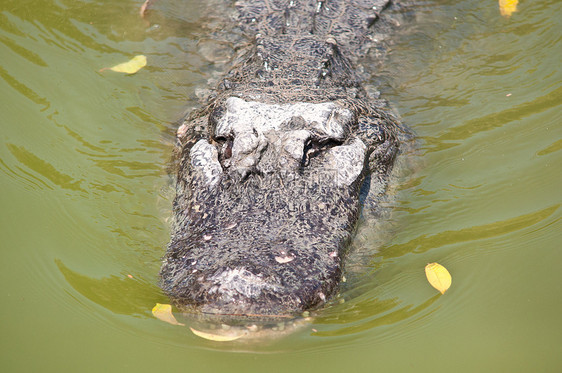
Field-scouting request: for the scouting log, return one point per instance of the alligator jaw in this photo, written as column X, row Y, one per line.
column 218, row 329
column 261, row 232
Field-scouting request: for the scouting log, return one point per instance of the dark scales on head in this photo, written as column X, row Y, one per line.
column 271, row 169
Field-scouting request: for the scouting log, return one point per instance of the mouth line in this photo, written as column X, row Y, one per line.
column 249, row 315
column 269, row 327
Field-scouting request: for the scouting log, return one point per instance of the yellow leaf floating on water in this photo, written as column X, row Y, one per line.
column 130, row 67
column 438, row 276
column 163, row 312
column 507, row 7
column 216, row 337
column 144, row 8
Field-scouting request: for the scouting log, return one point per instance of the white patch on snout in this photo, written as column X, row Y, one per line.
column 238, row 281
column 205, row 162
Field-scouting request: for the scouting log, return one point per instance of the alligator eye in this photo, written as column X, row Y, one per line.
column 315, row 146
column 227, row 149
column 224, row 145
column 309, row 151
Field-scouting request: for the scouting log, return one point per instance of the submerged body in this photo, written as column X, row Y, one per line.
column 271, row 170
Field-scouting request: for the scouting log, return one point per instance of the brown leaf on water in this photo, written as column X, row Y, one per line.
column 438, row 277
column 507, row 7
column 164, row 313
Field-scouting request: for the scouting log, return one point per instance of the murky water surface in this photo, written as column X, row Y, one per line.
column 85, row 196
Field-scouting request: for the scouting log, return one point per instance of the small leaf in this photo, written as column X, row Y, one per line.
column 217, row 337
column 163, row 312
column 130, row 67
column 507, row 7
column 144, row 8
column 438, row 277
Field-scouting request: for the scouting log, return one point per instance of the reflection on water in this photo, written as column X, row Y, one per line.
column 374, row 320
column 85, row 193
column 424, row 242
column 23, row 89
column 46, row 170
column 455, row 135
column 557, row 145
column 120, row 294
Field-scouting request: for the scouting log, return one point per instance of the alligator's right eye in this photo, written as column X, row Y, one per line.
column 315, row 146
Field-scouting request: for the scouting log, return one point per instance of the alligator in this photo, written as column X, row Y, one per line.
column 271, row 169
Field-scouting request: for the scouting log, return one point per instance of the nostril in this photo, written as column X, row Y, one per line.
column 239, row 285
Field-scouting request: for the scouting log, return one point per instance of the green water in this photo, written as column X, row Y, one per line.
column 85, row 197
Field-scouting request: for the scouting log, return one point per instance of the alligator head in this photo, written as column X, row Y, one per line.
column 266, row 203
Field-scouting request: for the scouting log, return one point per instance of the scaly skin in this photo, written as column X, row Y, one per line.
column 271, row 169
